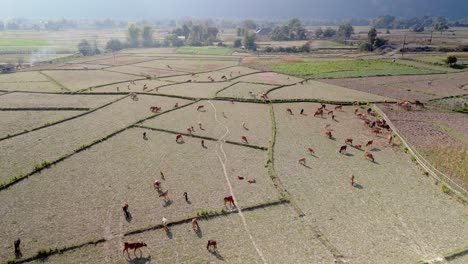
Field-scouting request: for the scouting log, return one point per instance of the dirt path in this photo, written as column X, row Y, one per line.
column 223, row 164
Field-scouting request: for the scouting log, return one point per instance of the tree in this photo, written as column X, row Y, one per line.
column 237, row 43
column 371, row 35
column 133, row 36
column 417, row 28
column 379, row 42
column 2, row 26
column 147, row 36
column 114, row 45
column 318, row 32
column 249, row 24
column 296, row 30
column 304, row 48
column 85, row 48
column 383, row 21
column 345, row 30
column 451, row 60
column 329, row 32
column 173, row 40
column 365, row 47
column 249, row 41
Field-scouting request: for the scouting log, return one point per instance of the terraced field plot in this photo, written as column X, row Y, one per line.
column 40, row 86
column 269, row 78
column 245, row 90
column 255, row 116
column 189, row 66
column 128, row 87
column 230, row 74
column 397, row 207
column 12, row 122
column 76, row 80
column 123, row 60
column 36, row 100
column 135, row 164
column 143, row 71
column 20, row 77
column 204, row 90
column 204, row 50
column 22, row 153
column 323, row 91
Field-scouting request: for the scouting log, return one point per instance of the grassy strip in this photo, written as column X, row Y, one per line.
column 284, row 195
column 45, row 109
column 46, row 164
column 450, row 132
column 56, row 82
column 205, row 215
column 63, row 120
column 448, row 257
column 202, row 137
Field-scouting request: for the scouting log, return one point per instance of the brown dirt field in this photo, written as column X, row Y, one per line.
column 130, row 69
column 50, row 221
column 241, row 90
column 31, row 86
column 270, row 78
column 20, row 154
column 78, row 66
column 216, row 75
column 275, row 231
column 323, row 91
column 203, row 90
column 12, row 122
column 36, row 100
column 23, row 77
column 151, row 51
column 395, row 213
column 398, row 86
column 123, row 87
column 76, row 80
column 188, row 65
column 255, row 116
column 90, row 59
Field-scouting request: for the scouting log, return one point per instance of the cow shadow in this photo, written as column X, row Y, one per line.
column 199, row 232
column 358, row 186
column 375, row 149
column 18, row 254
column 169, row 233
column 349, row 154
column 129, row 218
column 167, row 203
column 217, row 255
column 139, row 260
column 180, row 142
column 307, row 166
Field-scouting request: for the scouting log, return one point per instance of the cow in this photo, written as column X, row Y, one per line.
column 125, row 210
column 211, row 245
column 310, row 150
column 195, row 225
column 302, row 161
column 351, row 180
column 358, row 146
column 244, row 140
column 369, row 156
column 179, row 138
column 251, row 181
column 200, row 107
column 230, row 200
column 343, row 149
column 289, row 111
column 339, row 108
column 369, row 143
column 17, row 247
column 165, row 196
column 328, row 133
column 134, row 246
column 348, row 140
column 157, row 185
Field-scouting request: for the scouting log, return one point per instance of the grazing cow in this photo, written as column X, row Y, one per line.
column 310, row 150
column 369, row 111
column 169, row 67
column 330, row 113
column 369, row 156
column 302, row 161
column 302, row 111
column 240, row 177
column 348, row 140
column 162, row 175
column 224, row 78
column 164, row 222
column 17, row 247
column 125, row 210
column 118, row 89
column 343, row 149
column 179, row 138
column 328, row 133
column 144, row 136
column 376, row 130
column 351, row 180
column 200, row 107
column 289, row 111
column 211, row 245
column 252, row 181
column 419, row 104
column 157, row 185
column 358, row 146
column 186, row 196
column 134, row 246
column 339, row 108
column 230, row 200
column 244, row 140
column 200, row 125
column 176, row 105
column 356, row 111
column 318, row 113
column 165, row 195
column 189, row 130
column 390, row 139
column 145, row 87
column 195, row 225
column 155, row 109
column 203, row 143
column 369, row 143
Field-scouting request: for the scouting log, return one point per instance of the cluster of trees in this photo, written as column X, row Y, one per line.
column 140, row 36
column 416, row 24
column 373, row 42
column 303, row 48
column 344, row 30
column 292, row 31
column 88, row 48
column 195, row 34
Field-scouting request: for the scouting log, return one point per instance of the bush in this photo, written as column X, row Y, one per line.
column 451, row 60
column 444, row 189
column 365, row 47
column 237, row 43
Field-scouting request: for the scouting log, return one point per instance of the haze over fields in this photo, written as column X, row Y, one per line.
column 331, row 9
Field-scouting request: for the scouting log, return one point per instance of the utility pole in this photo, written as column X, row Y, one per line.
column 430, row 40
column 404, row 43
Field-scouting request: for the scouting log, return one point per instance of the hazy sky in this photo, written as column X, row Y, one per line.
column 139, row 9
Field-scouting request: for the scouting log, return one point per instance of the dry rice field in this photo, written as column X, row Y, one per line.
column 83, row 141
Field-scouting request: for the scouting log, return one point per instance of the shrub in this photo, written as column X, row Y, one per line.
column 444, row 189
column 365, row 47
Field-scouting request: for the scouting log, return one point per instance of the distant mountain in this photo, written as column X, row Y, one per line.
column 263, row 9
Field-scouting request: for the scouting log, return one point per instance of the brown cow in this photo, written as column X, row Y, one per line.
column 369, row 143
column 339, row 108
column 244, row 140
column 310, row 150
column 358, row 146
column 165, row 196
column 134, row 246
column 343, row 149
column 369, row 156
column 195, row 225
column 302, row 161
column 351, row 180
column 230, row 200
column 289, row 111
column 125, row 210
column 328, row 133
column 348, row 140
column 179, row 138
column 211, row 245
column 251, row 181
